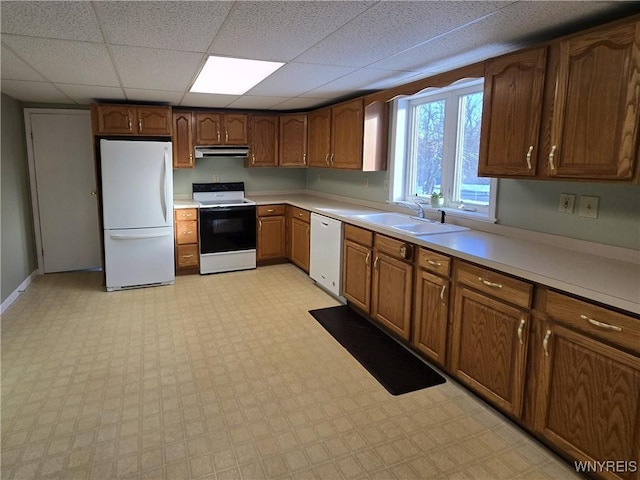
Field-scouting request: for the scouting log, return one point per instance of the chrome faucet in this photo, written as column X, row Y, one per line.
column 419, row 210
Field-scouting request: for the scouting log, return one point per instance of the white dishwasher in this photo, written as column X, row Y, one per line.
column 325, row 264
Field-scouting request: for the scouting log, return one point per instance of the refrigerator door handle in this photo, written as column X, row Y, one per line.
column 138, row 236
column 165, row 200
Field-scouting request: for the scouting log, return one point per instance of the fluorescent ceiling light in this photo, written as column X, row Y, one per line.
column 232, row 76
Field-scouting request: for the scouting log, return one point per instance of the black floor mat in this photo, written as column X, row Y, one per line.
column 391, row 364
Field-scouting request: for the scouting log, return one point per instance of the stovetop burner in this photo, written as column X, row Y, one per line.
column 221, row 194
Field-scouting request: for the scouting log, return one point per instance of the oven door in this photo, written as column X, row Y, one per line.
column 227, row 229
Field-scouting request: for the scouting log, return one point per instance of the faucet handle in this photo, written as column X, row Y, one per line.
column 442, row 215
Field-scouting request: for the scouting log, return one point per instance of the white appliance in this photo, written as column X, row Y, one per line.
column 325, row 264
column 137, row 213
column 227, row 227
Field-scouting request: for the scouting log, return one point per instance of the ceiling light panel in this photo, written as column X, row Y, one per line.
column 232, row 76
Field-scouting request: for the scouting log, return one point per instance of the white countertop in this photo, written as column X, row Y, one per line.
column 611, row 282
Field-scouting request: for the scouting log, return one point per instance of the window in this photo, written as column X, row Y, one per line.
column 437, row 141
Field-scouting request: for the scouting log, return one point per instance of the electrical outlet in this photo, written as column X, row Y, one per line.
column 589, row 206
column 365, row 182
column 567, row 203
column 216, row 177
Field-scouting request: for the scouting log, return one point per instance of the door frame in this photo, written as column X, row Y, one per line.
column 33, row 184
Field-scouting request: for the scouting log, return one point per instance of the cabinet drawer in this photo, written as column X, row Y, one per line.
column 392, row 247
column 495, row 284
column 186, row 232
column 358, row 235
column 186, row 256
column 301, row 214
column 598, row 321
column 271, row 210
column 185, row 214
column 434, row 262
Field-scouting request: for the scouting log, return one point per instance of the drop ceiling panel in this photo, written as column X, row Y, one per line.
column 360, row 80
column 401, row 24
column 156, row 96
column 207, row 100
column 296, row 78
column 14, row 68
column 256, row 102
column 299, row 103
column 280, row 31
column 153, row 69
column 65, row 61
column 37, row 92
column 85, row 94
column 188, row 26
column 61, row 20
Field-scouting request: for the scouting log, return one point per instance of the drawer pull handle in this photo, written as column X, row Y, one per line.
column 490, row 284
column 520, row 329
column 529, row 157
column 434, row 263
column 552, row 154
column 187, row 233
column 187, row 256
column 444, row 287
column 545, row 343
column 301, row 214
column 601, row 324
column 271, row 210
column 187, row 214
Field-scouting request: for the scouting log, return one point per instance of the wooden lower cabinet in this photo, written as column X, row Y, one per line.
column 356, row 275
column 271, row 241
column 431, row 313
column 299, row 237
column 392, row 286
column 187, row 254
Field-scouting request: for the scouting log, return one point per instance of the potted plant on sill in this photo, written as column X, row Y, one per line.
column 437, row 199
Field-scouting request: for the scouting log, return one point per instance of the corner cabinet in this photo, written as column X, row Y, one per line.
column 144, row 120
column 589, row 395
column 511, row 114
column 183, row 140
column 489, row 333
column 263, row 141
column 594, row 130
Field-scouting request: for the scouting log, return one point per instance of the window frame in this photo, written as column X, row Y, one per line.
column 402, row 168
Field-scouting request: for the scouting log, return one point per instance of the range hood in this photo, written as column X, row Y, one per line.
column 213, row 151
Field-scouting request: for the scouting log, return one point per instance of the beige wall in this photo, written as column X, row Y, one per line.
column 18, row 257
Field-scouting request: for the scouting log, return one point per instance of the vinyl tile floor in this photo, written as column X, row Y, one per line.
column 225, row 377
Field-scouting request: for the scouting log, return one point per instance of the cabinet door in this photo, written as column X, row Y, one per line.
column 594, row 130
column 116, row 119
column 488, row 348
column 347, row 133
column 271, row 238
column 235, row 129
column 154, row 120
column 511, row 111
column 590, row 400
column 183, row 140
column 319, row 138
column 209, row 129
column 264, row 141
column 430, row 316
column 391, row 303
column 293, row 141
column 356, row 275
column 300, row 243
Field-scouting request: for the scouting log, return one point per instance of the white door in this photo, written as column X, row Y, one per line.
column 64, row 191
column 137, row 187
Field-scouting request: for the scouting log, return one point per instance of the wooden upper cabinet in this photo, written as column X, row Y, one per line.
column 594, row 131
column 221, row 129
column 131, row 120
column 347, row 134
column 183, row 140
column 319, row 141
column 293, row 141
column 263, row 144
column 511, row 114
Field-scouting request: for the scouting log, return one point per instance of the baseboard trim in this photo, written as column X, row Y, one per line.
column 17, row 292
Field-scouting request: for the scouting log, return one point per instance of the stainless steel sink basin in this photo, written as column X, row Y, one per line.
column 385, row 219
column 429, row 228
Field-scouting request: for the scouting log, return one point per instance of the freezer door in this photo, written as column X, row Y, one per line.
column 138, row 257
column 137, row 184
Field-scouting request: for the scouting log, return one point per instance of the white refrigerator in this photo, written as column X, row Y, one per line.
column 137, row 213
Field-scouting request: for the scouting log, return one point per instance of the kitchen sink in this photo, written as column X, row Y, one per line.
column 385, row 219
column 429, row 228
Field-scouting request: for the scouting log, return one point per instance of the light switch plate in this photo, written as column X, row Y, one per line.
column 567, row 203
column 589, row 206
